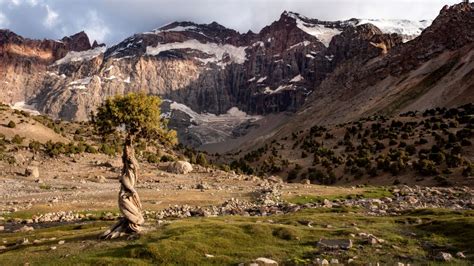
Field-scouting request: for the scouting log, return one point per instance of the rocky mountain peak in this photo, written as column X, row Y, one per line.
column 77, row 42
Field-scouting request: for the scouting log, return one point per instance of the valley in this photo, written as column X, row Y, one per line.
column 309, row 142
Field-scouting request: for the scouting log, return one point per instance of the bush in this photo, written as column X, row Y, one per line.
column 426, row 167
column 34, row 145
column 468, row 171
column 11, row 124
column 166, row 158
column 90, row 149
column 107, row 149
column 152, row 158
column 17, row 139
column 437, row 157
column 201, row 159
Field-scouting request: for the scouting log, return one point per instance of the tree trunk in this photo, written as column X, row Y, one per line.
column 128, row 201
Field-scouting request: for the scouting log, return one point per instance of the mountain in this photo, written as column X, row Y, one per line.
column 296, row 65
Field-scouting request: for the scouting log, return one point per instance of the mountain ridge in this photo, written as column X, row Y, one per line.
column 212, row 69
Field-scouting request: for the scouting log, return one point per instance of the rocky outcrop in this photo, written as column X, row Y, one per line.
column 24, row 62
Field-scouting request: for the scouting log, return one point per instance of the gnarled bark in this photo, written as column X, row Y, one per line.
column 128, row 201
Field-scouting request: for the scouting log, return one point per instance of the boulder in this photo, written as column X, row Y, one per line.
column 444, row 256
column 180, row 167
column 335, row 243
column 32, row 171
column 266, row 262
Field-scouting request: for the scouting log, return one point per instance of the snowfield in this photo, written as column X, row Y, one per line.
column 80, row 56
column 217, row 51
column 212, row 128
column 409, row 28
column 321, row 32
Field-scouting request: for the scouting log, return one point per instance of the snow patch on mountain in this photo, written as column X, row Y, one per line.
column 80, row 56
column 410, row 29
column 211, row 128
column 217, row 51
column 323, row 33
column 232, row 115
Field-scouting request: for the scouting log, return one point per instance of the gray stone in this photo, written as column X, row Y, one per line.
column 25, row 228
column 444, row 256
column 460, row 255
column 335, row 243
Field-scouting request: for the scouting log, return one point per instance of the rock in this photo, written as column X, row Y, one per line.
column 460, row 255
column 265, row 262
column 274, row 179
column 180, row 167
column 100, row 179
column 334, row 261
column 306, row 182
column 61, row 242
column 53, row 248
column 3, row 247
column 2, row 228
column 209, row 256
column 32, row 171
column 335, row 243
column 25, row 228
column 324, row 262
column 444, row 256
column 327, row 203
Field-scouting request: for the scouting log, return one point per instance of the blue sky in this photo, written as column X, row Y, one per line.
column 111, row 21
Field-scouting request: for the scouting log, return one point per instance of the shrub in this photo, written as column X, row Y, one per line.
column 90, row 149
column 34, row 145
column 437, row 157
column 468, row 171
column 201, row 159
column 107, row 149
column 152, row 158
column 17, row 139
column 11, row 124
column 166, row 158
column 426, row 167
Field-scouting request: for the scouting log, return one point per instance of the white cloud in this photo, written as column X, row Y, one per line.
column 33, row 2
column 15, row 2
column 3, row 21
column 51, row 17
column 95, row 27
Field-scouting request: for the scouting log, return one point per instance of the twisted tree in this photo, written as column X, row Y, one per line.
column 135, row 116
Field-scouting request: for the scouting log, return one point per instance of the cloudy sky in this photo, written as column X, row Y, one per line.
column 111, row 21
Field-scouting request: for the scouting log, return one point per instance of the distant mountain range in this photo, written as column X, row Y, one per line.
column 312, row 71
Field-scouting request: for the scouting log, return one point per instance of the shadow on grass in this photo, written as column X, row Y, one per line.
column 453, row 235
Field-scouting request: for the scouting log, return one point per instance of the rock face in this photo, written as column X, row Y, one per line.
column 289, row 65
column 377, row 74
column 207, row 67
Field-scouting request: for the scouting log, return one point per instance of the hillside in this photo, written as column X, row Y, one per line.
column 429, row 148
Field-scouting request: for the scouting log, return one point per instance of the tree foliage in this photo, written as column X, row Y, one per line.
column 136, row 114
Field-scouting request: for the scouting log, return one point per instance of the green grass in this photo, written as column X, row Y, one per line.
column 236, row 239
column 370, row 193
